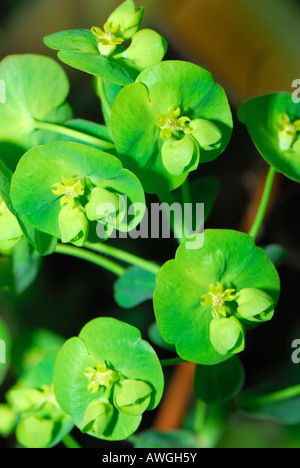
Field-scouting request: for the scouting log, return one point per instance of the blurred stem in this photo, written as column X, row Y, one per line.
column 200, row 417
column 70, row 442
column 246, row 401
column 106, row 107
column 124, row 256
column 76, row 134
column 171, row 362
column 90, row 257
column 263, row 204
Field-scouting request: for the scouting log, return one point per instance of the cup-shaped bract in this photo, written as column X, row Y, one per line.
column 101, row 52
column 36, row 88
column 198, row 301
column 273, row 123
column 55, row 188
column 107, row 377
column 173, row 117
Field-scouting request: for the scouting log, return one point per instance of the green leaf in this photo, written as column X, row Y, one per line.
column 87, row 127
column 174, row 439
column 138, row 137
column 262, row 117
column 26, row 265
column 219, row 383
column 277, row 253
column 284, row 411
column 81, row 40
column 228, row 257
column 134, row 287
column 157, row 339
column 98, row 66
column 42, row 243
column 121, row 347
column 36, row 88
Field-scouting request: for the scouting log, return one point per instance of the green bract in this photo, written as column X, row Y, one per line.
column 101, row 52
column 273, row 122
column 206, row 298
column 171, row 118
column 62, row 187
column 107, row 377
column 36, row 88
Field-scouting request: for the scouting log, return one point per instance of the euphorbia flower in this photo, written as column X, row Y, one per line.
column 207, row 298
column 173, row 117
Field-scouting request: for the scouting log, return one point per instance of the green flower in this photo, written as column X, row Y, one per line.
column 62, row 188
column 273, row 123
column 162, row 128
column 207, row 298
column 106, row 378
column 32, row 408
column 100, row 51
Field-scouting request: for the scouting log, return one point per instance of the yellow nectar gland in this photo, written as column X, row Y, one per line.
column 70, row 189
column 171, row 123
column 107, row 39
column 287, row 131
column 217, row 298
column 101, row 376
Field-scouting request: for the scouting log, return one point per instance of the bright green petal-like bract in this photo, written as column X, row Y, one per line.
column 134, row 365
column 202, row 285
column 170, row 103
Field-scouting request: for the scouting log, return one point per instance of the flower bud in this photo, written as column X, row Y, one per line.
column 97, row 416
column 73, row 224
column 25, row 399
column 128, row 19
column 255, row 305
column 227, row 335
column 8, row 420
column 132, row 397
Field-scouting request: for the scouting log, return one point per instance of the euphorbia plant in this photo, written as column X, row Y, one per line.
column 67, row 185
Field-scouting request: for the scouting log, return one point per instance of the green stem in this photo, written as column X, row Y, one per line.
column 263, row 204
column 269, row 398
column 200, row 417
column 90, row 257
column 106, row 107
column 76, row 134
column 124, row 256
column 171, row 362
column 70, row 442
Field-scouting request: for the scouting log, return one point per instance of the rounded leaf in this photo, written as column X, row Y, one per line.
column 36, row 88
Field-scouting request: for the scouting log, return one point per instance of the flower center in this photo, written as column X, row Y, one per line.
column 217, row 298
column 70, row 188
column 287, row 131
column 172, row 123
column 101, row 376
column 107, row 40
